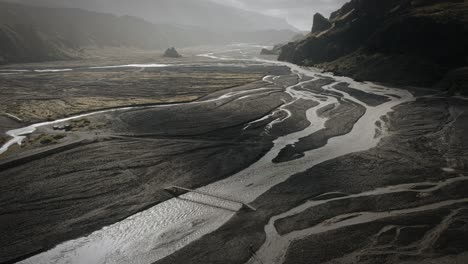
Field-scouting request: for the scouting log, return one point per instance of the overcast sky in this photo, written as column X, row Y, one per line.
column 298, row 13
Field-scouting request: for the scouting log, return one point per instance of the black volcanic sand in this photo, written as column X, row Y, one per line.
column 111, row 178
column 36, row 97
column 341, row 119
column 425, row 136
column 367, row 98
column 390, row 240
column 299, row 109
column 202, row 118
column 98, row 177
column 106, row 174
column 378, row 203
column 341, row 122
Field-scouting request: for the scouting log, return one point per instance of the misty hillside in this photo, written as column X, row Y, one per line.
column 199, row 14
column 395, row 41
column 37, row 34
column 31, row 33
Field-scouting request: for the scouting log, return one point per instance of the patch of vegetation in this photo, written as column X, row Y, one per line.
column 45, row 141
column 80, row 123
column 59, row 136
column 48, row 139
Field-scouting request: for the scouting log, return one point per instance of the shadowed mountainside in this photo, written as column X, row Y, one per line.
column 204, row 14
column 397, row 41
column 39, row 34
column 32, row 34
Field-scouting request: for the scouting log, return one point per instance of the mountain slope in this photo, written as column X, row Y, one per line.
column 203, row 14
column 396, row 41
column 31, row 33
column 37, row 34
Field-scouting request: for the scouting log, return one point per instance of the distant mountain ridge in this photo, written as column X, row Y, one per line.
column 32, row 33
column 407, row 42
column 203, row 14
column 39, row 34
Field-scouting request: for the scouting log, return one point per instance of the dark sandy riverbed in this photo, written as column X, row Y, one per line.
column 428, row 137
column 123, row 165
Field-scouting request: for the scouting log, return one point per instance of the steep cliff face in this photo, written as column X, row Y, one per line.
column 396, row 41
column 320, row 23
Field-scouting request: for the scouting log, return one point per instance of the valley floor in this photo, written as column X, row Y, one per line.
column 339, row 171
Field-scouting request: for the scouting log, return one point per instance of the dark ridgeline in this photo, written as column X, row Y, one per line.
column 320, row 23
column 206, row 14
column 396, row 41
column 36, row 31
column 31, row 34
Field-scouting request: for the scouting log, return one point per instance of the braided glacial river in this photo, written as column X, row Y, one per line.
column 167, row 227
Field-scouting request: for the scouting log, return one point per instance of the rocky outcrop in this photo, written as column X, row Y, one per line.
column 320, row 23
column 267, row 52
column 172, row 53
column 275, row 51
column 455, row 82
column 396, row 41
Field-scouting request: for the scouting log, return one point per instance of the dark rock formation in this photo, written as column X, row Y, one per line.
column 267, row 52
column 396, row 41
column 172, row 53
column 455, row 82
column 275, row 51
column 320, row 23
